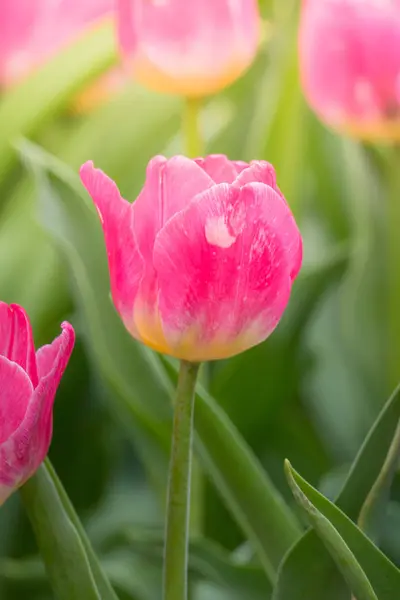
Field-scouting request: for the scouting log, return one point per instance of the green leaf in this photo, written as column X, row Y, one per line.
column 307, row 567
column 207, row 561
column 70, row 562
column 46, row 91
column 142, row 387
column 335, row 544
column 383, row 576
column 254, row 501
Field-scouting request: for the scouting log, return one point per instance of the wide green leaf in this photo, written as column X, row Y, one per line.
column 383, row 576
column 330, row 537
column 308, row 566
column 71, row 564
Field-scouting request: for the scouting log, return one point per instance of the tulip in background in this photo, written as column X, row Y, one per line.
column 33, row 31
column 350, row 65
column 28, row 384
column 188, row 47
column 202, row 264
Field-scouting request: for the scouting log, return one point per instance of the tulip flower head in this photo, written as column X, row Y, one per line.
column 203, row 262
column 188, row 47
column 28, row 383
column 350, row 65
column 33, row 31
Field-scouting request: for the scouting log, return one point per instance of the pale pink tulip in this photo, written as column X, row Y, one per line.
column 350, row 65
column 185, row 46
column 28, row 383
column 33, row 31
column 202, row 264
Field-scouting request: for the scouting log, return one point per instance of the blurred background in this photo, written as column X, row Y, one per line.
column 309, row 393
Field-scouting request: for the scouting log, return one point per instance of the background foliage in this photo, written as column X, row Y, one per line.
column 310, row 393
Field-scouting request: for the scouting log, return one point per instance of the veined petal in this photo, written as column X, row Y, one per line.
column 24, row 449
column 15, row 394
column 224, row 269
column 124, row 259
column 53, row 358
column 219, row 168
column 16, row 339
column 170, row 186
column 258, row 170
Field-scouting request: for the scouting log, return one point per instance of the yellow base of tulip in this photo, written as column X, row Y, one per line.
column 150, row 76
column 385, row 131
column 149, row 330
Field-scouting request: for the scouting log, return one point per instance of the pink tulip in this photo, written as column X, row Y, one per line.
column 350, row 64
column 32, row 31
column 185, row 46
column 28, row 385
column 202, row 263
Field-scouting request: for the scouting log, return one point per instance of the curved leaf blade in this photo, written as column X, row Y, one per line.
column 335, row 544
column 307, row 567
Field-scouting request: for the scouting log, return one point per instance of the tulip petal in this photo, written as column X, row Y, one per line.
column 219, row 168
column 194, row 37
column 16, row 339
column 258, row 170
column 124, row 259
column 16, row 391
column 224, row 269
column 170, row 186
column 53, row 358
column 350, row 63
column 128, row 12
column 22, row 452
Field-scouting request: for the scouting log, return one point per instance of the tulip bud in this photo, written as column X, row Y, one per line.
column 350, row 65
column 188, row 47
column 28, row 383
column 202, row 264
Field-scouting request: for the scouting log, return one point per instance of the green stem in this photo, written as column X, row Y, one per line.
column 177, row 524
column 193, row 141
column 393, row 268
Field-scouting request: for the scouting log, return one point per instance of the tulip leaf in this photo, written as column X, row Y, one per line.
column 70, row 561
column 247, row 490
column 207, row 561
column 24, row 108
column 143, row 388
column 307, row 567
column 330, row 537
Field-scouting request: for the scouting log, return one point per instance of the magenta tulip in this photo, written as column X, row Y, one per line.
column 28, row 383
column 185, row 46
column 350, row 65
column 202, row 264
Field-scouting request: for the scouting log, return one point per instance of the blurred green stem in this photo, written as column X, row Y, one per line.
column 177, row 524
column 393, row 267
column 193, row 141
